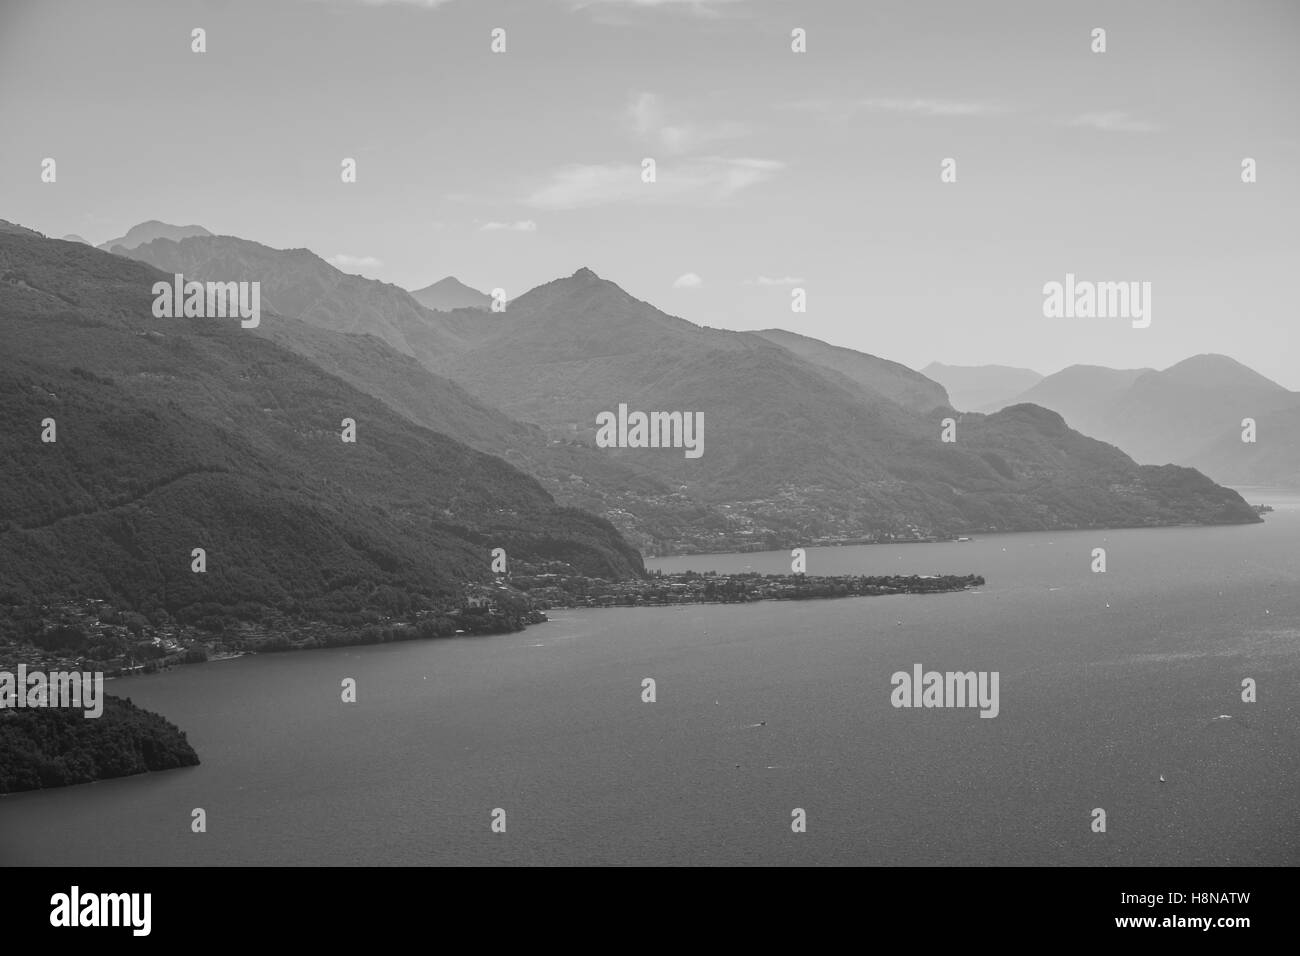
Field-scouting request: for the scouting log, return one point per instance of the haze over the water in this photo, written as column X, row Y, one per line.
column 508, row 170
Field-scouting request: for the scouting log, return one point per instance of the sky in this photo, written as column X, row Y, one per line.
column 774, row 169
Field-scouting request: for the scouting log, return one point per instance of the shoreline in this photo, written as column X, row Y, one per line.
column 762, row 588
column 965, row 538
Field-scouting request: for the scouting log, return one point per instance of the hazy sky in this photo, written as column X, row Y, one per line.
column 511, row 169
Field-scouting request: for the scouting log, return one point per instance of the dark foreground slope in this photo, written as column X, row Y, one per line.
column 176, row 434
column 57, row 747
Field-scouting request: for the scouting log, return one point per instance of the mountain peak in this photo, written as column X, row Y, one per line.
column 1212, row 370
column 448, row 282
column 450, row 293
column 584, row 273
column 147, row 232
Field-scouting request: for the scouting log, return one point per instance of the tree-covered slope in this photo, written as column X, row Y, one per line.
column 175, row 434
column 56, row 746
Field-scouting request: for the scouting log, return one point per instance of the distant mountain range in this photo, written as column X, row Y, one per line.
column 800, row 450
column 370, row 334
column 299, row 283
column 449, row 294
column 805, row 442
column 149, row 231
column 173, row 435
column 1190, row 413
column 982, row 388
column 1074, row 390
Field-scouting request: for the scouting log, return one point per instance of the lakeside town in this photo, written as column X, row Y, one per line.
column 94, row 634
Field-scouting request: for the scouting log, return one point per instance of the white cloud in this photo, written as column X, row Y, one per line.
column 522, row 225
column 704, row 180
column 355, row 264
column 698, row 7
column 430, row 4
column 684, row 173
column 658, row 3
column 1115, row 121
column 783, row 280
column 688, row 281
column 845, row 107
column 645, row 115
column 932, row 107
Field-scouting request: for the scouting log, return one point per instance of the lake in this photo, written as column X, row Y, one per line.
column 1107, row 682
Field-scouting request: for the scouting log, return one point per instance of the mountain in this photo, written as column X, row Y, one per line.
column 364, row 332
column 1273, row 459
column 1081, row 392
column 174, row 434
column 449, row 294
column 985, row 388
column 299, row 283
column 1189, row 413
column 575, row 474
column 795, row 451
column 893, row 381
column 148, row 232
column 73, row 237
column 1173, row 414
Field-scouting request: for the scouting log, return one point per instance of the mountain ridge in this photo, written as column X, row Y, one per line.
column 891, row 380
column 801, row 452
column 983, row 388
column 798, row 451
column 175, row 434
column 150, row 230
column 1191, row 412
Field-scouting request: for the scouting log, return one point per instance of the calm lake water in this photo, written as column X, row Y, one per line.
column 761, row 709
